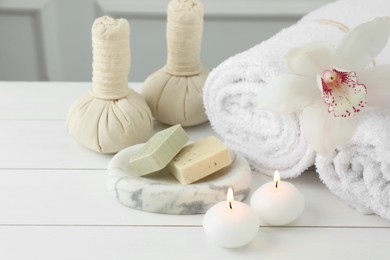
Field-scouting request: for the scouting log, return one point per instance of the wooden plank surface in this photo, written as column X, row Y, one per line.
column 79, row 197
column 38, row 100
column 54, row 203
column 189, row 243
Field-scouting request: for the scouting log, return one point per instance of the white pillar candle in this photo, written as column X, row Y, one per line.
column 278, row 202
column 231, row 223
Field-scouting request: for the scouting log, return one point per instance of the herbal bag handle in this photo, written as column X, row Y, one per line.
column 111, row 116
column 174, row 93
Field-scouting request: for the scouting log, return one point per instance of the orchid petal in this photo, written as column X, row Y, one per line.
column 310, row 59
column 323, row 131
column 377, row 81
column 362, row 44
column 288, row 93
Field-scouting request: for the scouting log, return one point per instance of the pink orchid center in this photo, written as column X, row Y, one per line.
column 331, row 79
column 342, row 93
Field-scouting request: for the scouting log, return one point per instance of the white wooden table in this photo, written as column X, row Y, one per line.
column 54, row 204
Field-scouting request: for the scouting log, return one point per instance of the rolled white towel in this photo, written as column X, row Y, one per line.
column 359, row 172
column 271, row 141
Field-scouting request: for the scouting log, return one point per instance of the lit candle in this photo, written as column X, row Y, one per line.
column 278, row 202
column 231, row 223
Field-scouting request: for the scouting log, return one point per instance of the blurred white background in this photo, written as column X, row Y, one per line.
column 44, row 40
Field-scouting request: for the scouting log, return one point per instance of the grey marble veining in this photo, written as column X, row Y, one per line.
column 161, row 192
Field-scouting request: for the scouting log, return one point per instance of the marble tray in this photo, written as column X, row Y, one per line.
column 162, row 193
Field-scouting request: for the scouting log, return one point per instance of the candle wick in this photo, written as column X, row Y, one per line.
column 230, row 205
column 276, row 184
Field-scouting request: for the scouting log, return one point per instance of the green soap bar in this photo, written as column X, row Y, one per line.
column 159, row 150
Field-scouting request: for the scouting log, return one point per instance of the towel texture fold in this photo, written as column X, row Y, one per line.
column 359, row 172
column 271, row 141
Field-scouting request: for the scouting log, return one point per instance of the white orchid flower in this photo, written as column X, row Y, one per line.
column 331, row 86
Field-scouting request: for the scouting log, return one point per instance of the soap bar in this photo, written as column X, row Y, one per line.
column 159, row 150
column 200, row 159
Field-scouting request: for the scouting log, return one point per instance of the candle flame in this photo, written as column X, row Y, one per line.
column 276, row 178
column 230, row 197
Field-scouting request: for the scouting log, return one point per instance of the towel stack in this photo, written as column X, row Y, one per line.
column 271, row 141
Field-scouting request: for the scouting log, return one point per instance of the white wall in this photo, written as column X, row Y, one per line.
column 51, row 39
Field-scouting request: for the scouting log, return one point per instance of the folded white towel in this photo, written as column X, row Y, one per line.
column 359, row 172
column 270, row 141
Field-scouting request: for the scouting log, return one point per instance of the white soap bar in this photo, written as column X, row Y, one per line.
column 159, row 150
column 200, row 159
